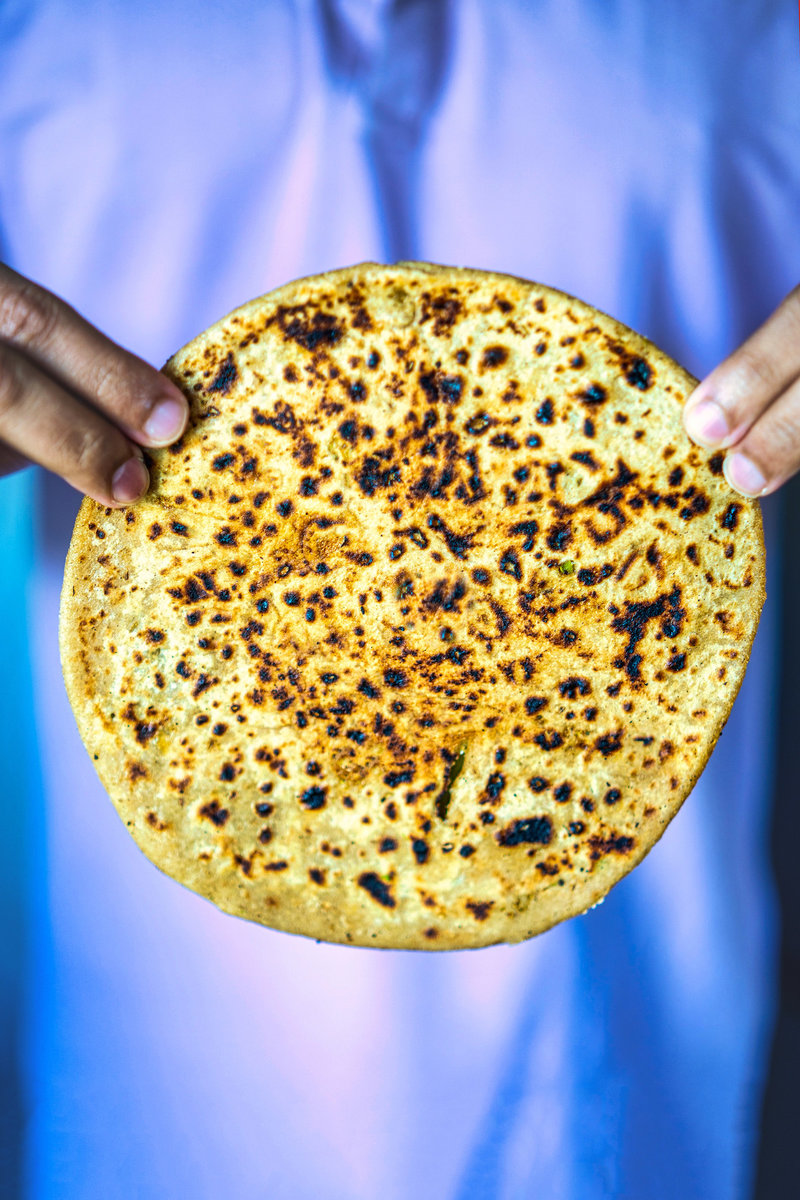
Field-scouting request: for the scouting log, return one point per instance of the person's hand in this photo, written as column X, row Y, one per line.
column 749, row 405
column 73, row 401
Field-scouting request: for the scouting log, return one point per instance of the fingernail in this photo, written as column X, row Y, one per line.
column 130, row 481
column 706, row 423
column 165, row 421
column 743, row 474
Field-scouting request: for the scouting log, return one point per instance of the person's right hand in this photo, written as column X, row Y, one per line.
column 73, row 401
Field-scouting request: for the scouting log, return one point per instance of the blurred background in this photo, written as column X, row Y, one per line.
column 161, row 164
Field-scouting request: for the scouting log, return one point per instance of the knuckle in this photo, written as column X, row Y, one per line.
column 93, row 453
column 28, row 315
column 756, row 371
column 90, row 451
column 12, row 389
column 109, row 384
column 774, row 443
column 123, row 391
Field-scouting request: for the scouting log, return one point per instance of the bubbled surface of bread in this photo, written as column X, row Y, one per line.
column 430, row 621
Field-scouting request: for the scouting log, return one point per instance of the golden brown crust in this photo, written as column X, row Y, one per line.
column 429, row 623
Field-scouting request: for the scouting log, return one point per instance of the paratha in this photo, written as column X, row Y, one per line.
column 430, row 621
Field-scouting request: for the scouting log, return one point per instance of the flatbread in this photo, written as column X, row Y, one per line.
column 430, row 621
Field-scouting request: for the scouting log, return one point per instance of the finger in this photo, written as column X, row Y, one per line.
column 145, row 404
column 728, row 401
column 11, row 461
column 43, row 422
column 770, row 451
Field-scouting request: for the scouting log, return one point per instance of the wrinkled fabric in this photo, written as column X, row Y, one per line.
column 163, row 162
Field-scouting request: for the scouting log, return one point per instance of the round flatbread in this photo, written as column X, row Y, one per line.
column 429, row 622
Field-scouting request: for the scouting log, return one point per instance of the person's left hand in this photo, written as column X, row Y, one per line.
column 750, row 405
